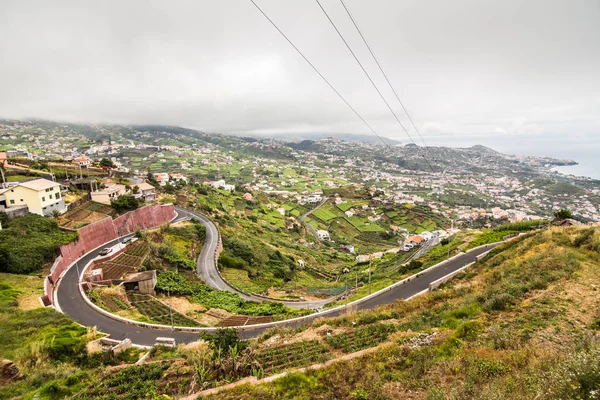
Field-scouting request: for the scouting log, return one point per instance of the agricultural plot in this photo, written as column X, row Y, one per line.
column 364, row 225
column 125, row 263
column 113, row 303
column 344, row 206
column 158, row 312
column 361, row 338
column 300, row 354
column 324, row 214
column 154, row 380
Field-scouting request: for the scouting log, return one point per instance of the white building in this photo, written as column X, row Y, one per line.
column 323, row 234
column 41, row 197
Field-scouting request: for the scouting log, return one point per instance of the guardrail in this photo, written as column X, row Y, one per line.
column 293, row 321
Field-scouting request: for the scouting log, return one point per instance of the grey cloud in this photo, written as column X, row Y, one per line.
column 462, row 67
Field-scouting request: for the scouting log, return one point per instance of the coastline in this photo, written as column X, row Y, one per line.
column 578, row 170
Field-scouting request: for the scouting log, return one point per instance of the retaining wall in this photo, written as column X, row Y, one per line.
column 103, row 231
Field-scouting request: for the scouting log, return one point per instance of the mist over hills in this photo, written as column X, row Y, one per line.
column 349, row 137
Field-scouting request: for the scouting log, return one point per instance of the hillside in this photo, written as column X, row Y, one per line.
column 522, row 324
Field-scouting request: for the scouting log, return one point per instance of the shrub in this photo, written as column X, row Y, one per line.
column 30, row 241
column 124, row 203
column 498, row 302
column 469, row 330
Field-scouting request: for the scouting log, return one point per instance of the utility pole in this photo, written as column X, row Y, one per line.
column 346, row 290
column 170, row 309
column 370, row 262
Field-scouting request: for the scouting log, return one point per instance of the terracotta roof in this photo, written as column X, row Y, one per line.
column 416, row 239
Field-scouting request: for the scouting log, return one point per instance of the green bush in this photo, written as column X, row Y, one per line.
column 498, row 302
column 28, row 242
column 469, row 330
column 124, row 203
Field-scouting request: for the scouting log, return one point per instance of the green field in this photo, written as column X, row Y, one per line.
column 324, row 214
column 364, row 225
column 344, row 206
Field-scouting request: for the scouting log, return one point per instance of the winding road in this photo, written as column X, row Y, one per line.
column 206, row 266
column 69, row 300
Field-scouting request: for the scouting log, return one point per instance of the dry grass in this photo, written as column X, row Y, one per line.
column 184, row 306
column 31, row 287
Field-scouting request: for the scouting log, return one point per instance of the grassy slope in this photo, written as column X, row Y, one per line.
column 520, row 324
column 42, row 342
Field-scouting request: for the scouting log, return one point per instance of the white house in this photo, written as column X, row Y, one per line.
column 41, row 197
column 146, row 191
column 323, row 234
column 109, row 193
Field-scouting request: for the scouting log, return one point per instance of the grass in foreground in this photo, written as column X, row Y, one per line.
column 520, row 325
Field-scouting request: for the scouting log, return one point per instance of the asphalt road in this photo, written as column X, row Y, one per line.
column 72, row 303
column 206, row 266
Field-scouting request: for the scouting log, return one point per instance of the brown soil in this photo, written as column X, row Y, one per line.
column 184, row 306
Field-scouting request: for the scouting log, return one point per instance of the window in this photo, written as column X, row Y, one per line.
column 43, row 199
column 12, row 202
column 50, row 196
column 21, row 200
column 58, row 195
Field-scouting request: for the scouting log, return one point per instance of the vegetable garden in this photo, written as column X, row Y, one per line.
column 361, row 338
column 157, row 311
column 125, row 263
column 143, row 381
column 276, row 359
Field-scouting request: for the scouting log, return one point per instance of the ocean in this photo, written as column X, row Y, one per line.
column 583, row 149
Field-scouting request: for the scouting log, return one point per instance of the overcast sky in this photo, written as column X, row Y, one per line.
column 461, row 67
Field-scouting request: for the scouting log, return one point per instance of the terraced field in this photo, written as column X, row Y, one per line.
column 157, row 312
column 324, row 214
column 125, row 263
column 300, row 354
column 364, row 225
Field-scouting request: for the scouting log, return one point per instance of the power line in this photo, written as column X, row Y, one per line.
column 386, row 77
column 319, row 73
column 369, row 77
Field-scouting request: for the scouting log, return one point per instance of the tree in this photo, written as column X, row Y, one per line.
column 563, row 213
column 106, row 163
column 136, row 189
column 170, row 189
column 151, row 179
column 124, row 203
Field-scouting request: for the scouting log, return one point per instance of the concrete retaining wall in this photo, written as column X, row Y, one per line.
column 103, row 231
column 437, row 283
